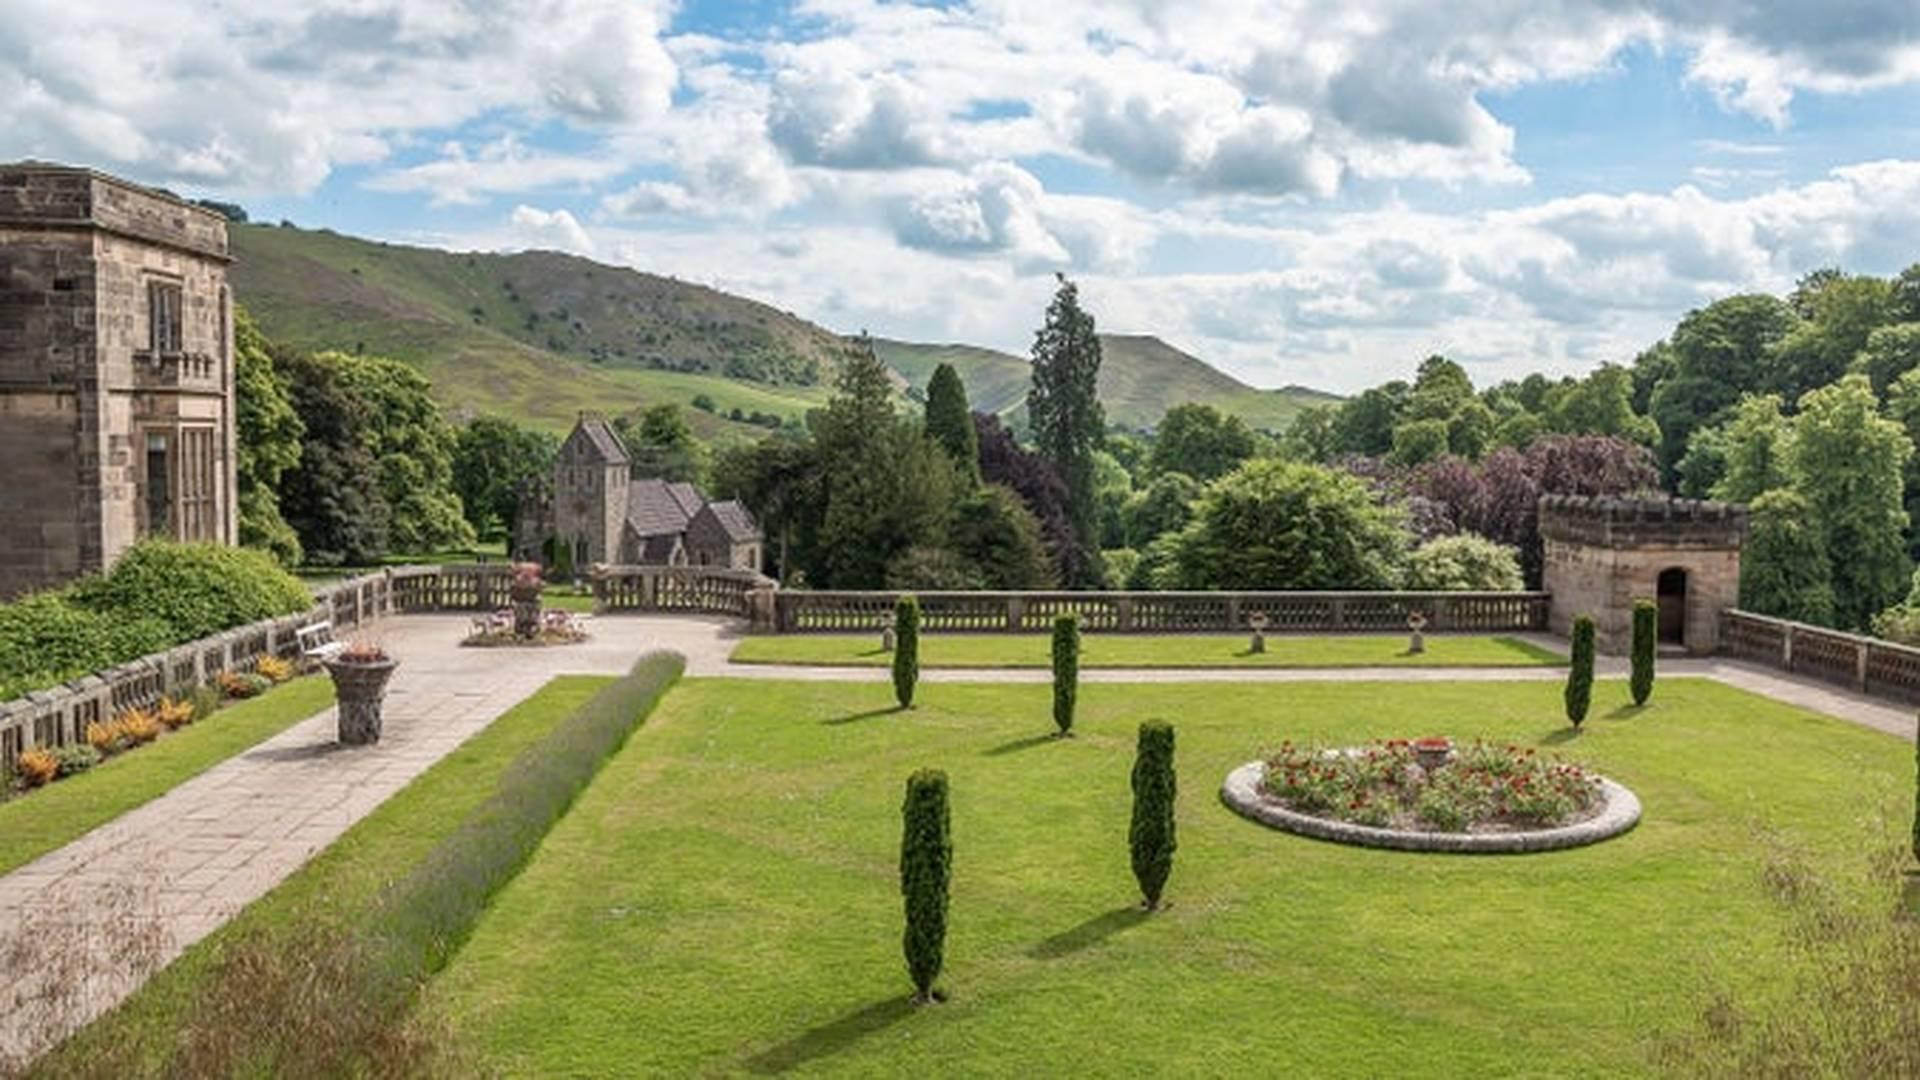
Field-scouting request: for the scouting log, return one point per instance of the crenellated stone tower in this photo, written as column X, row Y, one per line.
column 1604, row 553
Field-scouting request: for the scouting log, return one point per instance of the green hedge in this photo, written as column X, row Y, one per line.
column 158, row 595
column 195, row 589
column 424, row 916
column 46, row 640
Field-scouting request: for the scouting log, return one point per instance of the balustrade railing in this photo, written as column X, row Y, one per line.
column 818, row 611
column 59, row 715
column 1868, row 665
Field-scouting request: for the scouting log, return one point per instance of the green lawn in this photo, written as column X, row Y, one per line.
column 342, row 881
column 40, row 821
column 724, row 898
column 1150, row 651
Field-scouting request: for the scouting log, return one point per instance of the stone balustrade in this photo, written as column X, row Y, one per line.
column 1867, row 665
column 59, row 715
column 807, row 610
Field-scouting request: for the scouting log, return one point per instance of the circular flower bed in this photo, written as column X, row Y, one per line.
column 1431, row 795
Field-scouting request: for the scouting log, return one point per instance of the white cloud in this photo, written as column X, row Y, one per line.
column 554, row 230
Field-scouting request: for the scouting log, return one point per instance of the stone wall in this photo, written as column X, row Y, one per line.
column 1603, row 554
column 79, row 386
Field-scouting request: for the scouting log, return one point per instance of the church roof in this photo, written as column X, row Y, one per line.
column 601, row 438
column 733, row 518
column 656, row 508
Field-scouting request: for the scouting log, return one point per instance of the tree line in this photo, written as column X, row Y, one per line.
column 1805, row 407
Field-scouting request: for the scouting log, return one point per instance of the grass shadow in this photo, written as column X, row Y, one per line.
column 852, row 718
column 1092, row 932
column 1561, row 736
column 831, row 1038
column 1018, row 745
column 1625, row 712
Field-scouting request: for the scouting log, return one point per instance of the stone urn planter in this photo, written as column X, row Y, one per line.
column 1257, row 622
column 360, row 680
column 525, row 591
column 1416, row 633
column 1432, row 753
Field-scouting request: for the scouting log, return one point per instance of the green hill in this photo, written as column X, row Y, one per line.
column 1140, row 377
column 540, row 337
column 537, row 336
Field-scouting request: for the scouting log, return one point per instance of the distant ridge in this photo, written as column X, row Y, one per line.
column 1141, row 377
column 540, row 336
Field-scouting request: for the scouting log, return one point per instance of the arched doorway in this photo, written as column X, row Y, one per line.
column 1673, row 606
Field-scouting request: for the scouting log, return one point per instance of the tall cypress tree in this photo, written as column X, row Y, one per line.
column 1066, row 671
column 950, row 421
column 1579, row 693
column 906, row 649
column 1064, row 410
column 1151, row 837
column 1646, row 631
column 926, row 871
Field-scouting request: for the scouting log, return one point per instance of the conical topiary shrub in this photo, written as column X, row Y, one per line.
column 926, row 867
column 906, row 649
column 1066, row 671
column 1646, row 634
column 1151, row 836
column 1580, row 674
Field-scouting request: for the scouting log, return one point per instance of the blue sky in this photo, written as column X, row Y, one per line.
column 1298, row 192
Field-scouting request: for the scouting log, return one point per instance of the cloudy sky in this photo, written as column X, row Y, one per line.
column 1301, row 192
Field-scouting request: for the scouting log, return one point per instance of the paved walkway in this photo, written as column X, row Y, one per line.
column 167, row 873
column 181, row 865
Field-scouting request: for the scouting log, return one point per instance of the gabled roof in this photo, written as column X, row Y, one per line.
column 687, row 496
column 655, row 509
column 600, row 438
column 735, row 520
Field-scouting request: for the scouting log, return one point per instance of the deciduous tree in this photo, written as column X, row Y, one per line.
column 268, row 432
column 1848, row 462
column 1200, row 441
column 1275, row 524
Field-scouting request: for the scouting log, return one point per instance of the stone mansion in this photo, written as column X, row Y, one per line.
column 602, row 513
column 116, row 373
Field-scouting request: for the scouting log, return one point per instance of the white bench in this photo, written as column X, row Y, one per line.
column 317, row 643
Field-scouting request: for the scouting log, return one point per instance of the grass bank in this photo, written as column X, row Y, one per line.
column 1151, row 651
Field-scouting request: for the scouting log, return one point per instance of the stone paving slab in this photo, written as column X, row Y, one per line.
column 198, row 854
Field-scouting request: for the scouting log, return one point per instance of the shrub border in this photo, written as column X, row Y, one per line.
column 1241, row 792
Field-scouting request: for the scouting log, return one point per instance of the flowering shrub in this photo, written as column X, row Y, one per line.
column 174, row 714
column 274, row 668
column 243, row 684
column 36, row 766
column 138, row 726
column 1482, row 787
column 105, row 738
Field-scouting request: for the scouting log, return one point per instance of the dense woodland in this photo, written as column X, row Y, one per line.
column 1805, row 407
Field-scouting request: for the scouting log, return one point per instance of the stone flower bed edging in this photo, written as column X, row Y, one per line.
column 1242, row 794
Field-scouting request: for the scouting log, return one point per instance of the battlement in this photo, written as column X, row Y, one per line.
column 1627, row 523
